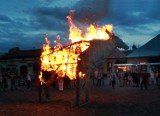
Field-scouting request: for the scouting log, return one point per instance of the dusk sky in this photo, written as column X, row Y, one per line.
column 24, row 23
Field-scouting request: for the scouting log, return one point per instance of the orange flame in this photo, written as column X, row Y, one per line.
column 93, row 32
column 63, row 59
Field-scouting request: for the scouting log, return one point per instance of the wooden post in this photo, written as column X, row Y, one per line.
column 78, row 100
column 87, row 89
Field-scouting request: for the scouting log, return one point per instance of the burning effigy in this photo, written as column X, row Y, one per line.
column 63, row 60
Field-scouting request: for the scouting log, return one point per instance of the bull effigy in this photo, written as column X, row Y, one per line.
column 76, row 58
column 64, row 59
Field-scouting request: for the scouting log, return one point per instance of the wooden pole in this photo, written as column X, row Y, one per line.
column 87, row 98
column 78, row 100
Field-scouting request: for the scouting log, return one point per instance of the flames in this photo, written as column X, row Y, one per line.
column 93, row 32
column 63, row 59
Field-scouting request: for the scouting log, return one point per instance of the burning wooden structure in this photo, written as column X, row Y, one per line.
column 76, row 60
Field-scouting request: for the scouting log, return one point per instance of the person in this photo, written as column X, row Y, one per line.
column 13, row 81
column 129, row 78
column 157, row 75
column 99, row 77
column 60, row 83
column 44, row 86
column 144, row 76
column 1, row 81
column 125, row 79
column 136, row 78
column 39, row 86
column 152, row 78
column 114, row 76
column 54, row 83
column 95, row 76
column 28, row 80
column 66, row 82
column 120, row 78
column 5, row 80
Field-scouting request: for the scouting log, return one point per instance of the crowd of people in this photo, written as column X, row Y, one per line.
column 140, row 79
column 9, row 80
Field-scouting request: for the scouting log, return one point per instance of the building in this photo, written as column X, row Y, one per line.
column 147, row 57
column 21, row 61
column 116, row 57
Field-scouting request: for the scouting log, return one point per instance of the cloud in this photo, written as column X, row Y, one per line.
column 56, row 12
column 13, row 27
column 133, row 13
column 50, row 18
column 130, row 16
column 91, row 10
column 15, row 33
column 4, row 18
column 21, row 40
column 85, row 11
column 23, row 24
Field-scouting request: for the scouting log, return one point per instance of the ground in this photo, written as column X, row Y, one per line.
column 104, row 101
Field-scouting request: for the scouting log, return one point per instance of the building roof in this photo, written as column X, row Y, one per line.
column 36, row 53
column 21, row 54
column 150, row 49
column 127, row 52
column 117, row 54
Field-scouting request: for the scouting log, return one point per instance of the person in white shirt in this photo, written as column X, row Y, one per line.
column 152, row 77
column 28, row 80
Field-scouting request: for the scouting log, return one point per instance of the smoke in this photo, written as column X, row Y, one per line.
column 91, row 11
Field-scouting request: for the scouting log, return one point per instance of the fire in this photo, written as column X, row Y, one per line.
column 93, row 32
column 63, row 59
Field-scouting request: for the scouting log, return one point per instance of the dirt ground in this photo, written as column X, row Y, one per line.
column 104, row 101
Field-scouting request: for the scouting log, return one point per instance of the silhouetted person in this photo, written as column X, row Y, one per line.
column 125, row 79
column 5, row 80
column 99, row 78
column 1, row 81
column 113, row 78
column 44, row 86
column 136, row 79
column 13, row 81
column 144, row 81
column 157, row 77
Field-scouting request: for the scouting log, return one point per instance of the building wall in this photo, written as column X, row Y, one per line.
column 16, row 65
column 144, row 64
column 137, row 60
